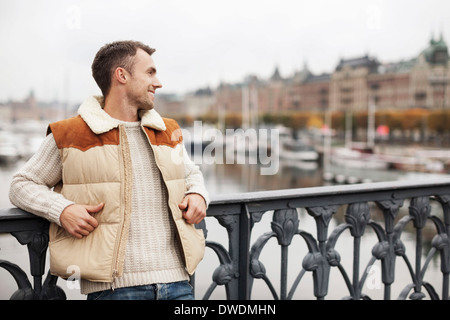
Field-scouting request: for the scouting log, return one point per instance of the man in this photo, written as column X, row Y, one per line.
column 118, row 187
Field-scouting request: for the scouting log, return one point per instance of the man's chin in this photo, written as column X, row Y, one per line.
column 146, row 106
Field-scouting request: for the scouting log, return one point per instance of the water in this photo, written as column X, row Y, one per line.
column 234, row 178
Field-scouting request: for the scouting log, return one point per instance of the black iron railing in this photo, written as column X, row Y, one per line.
column 388, row 210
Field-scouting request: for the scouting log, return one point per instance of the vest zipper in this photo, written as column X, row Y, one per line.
column 120, row 241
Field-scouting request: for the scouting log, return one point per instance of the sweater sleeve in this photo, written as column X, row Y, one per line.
column 194, row 178
column 32, row 186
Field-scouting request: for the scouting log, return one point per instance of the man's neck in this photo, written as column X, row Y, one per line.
column 120, row 109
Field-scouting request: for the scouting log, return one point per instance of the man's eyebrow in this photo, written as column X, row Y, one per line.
column 152, row 69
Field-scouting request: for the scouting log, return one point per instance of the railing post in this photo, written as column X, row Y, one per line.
column 32, row 231
column 37, row 244
column 244, row 251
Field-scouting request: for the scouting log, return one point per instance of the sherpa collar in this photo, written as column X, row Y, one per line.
column 100, row 122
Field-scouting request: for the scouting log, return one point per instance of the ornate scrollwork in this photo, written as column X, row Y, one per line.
column 223, row 274
column 240, row 262
column 229, row 222
column 441, row 242
column 37, row 243
column 24, row 291
column 381, row 250
column 420, row 210
column 312, row 261
column 256, row 217
column 357, row 216
column 323, row 216
column 417, row 296
column 50, row 291
column 444, row 200
column 333, row 257
column 390, row 209
column 285, row 225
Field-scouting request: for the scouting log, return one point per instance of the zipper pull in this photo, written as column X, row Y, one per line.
column 114, row 275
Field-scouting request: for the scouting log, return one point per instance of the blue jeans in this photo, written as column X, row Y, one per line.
column 161, row 291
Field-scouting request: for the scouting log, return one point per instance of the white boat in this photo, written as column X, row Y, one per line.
column 347, row 157
column 297, row 150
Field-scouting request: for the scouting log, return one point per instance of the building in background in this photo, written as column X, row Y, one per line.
column 31, row 109
column 421, row 82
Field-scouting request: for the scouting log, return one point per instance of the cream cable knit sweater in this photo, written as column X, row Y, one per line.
column 152, row 253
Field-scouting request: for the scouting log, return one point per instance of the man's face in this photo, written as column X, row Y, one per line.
column 143, row 81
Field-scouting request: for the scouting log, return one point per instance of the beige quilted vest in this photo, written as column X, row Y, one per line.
column 97, row 168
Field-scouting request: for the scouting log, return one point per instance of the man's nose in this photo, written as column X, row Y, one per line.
column 157, row 83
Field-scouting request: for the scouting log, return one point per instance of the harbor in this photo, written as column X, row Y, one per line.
column 304, row 153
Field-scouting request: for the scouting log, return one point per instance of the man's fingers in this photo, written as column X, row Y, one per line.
column 187, row 215
column 193, row 215
column 194, row 208
column 84, row 227
column 83, row 232
column 94, row 209
column 92, row 222
column 88, row 226
column 78, row 221
column 183, row 205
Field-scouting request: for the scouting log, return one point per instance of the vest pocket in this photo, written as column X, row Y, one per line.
column 57, row 233
column 193, row 244
column 92, row 256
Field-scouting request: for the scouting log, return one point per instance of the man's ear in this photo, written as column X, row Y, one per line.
column 121, row 75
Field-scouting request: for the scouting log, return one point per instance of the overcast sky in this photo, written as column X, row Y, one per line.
column 48, row 45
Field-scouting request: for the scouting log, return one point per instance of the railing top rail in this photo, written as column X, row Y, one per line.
column 233, row 200
column 242, row 256
column 329, row 190
column 15, row 213
column 315, row 196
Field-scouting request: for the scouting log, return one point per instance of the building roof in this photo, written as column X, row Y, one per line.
column 276, row 75
column 437, row 52
column 402, row 66
column 319, row 78
column 361, row 62
column 302, row 75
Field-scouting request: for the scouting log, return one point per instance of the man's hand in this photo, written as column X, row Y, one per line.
column 77, row 221
column 194, row 208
